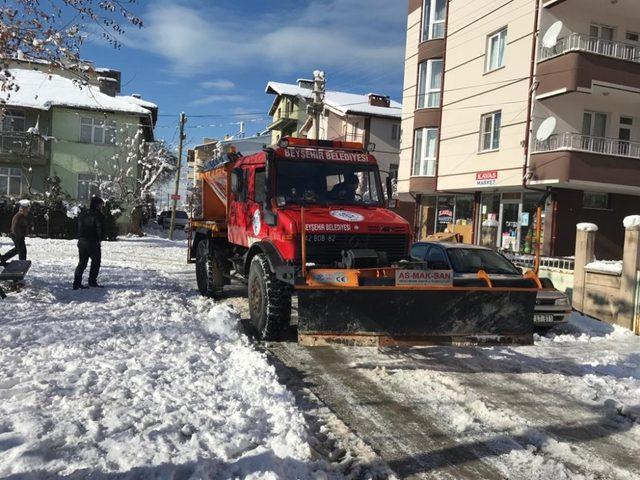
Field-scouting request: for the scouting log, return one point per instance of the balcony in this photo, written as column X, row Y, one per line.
column 580, row 63
column 578, row 42
column 586, row 143
column 18, row 146
column 573, row 160
column 283, row 120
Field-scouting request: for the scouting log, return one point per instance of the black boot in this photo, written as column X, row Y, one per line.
column 80, row 287
column 95, row 285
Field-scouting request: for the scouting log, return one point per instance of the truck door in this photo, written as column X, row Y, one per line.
column 238, row 216
column 256, row 228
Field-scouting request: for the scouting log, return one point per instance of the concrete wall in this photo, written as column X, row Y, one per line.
column 609, row 297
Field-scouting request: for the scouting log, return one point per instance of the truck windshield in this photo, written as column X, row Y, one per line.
column 327, row 183
column 471, row 260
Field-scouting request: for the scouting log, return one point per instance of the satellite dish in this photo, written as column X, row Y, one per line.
column 550, row 38
column 546, row 129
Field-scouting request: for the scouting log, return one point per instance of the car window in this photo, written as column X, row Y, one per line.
column 418, row 251
column 181, row 214
column 471, row 260
column 259, row 186
column 436, row 259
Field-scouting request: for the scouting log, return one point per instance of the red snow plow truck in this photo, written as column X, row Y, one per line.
column 308, row 218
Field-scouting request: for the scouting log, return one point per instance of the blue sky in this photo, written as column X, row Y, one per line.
column 215, row 57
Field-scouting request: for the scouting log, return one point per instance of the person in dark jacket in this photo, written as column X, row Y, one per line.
column 19, row 229
column 90, row 234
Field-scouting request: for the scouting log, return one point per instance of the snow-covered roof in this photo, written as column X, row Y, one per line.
column 137, row 101
column 42, row 91
column 341, row 101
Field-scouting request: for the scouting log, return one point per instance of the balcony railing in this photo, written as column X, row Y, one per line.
column 587, row 143
column 578, row 42
column 21, row 143
column 285, row 117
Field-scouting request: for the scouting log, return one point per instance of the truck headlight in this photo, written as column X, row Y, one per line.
column 563, row 302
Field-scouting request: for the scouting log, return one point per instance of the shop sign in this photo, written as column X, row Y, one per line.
column 488, row 177
column 445, row 210
column 443, row 278
column 524, row 219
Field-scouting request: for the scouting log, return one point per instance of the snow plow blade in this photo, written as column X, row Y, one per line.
column 385, row 316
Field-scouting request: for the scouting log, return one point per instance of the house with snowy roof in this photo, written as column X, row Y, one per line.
column 66, row 123
column 371, row 119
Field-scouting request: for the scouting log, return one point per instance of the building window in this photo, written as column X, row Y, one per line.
column 433, row 18
column 13, row 121
column 496, row 45
column 596, row 200
column 10, row 181
column 633, row 37
column 601, row 31
column 395, row 132
column 490, row 131
column 430, row 83
column 89, row 185
column 425, row 152
column 102, row 132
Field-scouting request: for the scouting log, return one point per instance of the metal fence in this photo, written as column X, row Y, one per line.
column 587, row 143
column 527, row 261
column 586, row 43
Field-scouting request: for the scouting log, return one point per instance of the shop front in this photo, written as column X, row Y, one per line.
column 513, row 215
column 446, row 214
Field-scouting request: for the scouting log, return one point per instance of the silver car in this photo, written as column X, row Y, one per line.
column 552, row 305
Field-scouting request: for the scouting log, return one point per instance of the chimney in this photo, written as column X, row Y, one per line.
column 376, row 100
column 109, row 81
column 305, row 83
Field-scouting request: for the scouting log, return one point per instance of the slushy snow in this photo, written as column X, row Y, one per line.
column 143, row 377
column 607, row 266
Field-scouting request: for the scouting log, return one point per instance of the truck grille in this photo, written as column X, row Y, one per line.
column 326, row 249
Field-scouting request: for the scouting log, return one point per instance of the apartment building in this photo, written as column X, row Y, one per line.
column 54, row 125
column 504, row 100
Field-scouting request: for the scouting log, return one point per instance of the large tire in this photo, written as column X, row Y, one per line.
column 269, row 300
column 209, row 270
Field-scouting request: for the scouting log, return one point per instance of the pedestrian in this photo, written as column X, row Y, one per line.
column 19, row 229
column 90, row 234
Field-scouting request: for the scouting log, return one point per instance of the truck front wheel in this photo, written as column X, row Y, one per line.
column 209, row 270
column 269, row 300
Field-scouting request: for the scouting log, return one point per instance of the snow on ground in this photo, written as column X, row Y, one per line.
column 143, row 377
column 567, row 407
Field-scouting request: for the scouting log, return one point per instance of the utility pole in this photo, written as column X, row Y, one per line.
column 315, row 109
column 183, row 120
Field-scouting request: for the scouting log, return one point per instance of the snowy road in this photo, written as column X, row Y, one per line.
column 146, row 379
column 566, row 408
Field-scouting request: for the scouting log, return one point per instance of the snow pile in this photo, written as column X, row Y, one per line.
column 143, row 377
column 608, row 266
column 587, row 227
column 632, row 221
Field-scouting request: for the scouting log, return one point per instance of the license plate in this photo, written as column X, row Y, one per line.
column 543, row 318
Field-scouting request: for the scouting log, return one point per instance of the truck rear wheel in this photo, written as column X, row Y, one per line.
column 269, row 300
column 209, row 270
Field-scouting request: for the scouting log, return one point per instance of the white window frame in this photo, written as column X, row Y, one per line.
column 432, row 29
column 424, row 164
column 600, row 27
column 6, row 174
column 430, row 97
column 103, row 132
column 492, row 132
column 92, row 180
column 501, row 37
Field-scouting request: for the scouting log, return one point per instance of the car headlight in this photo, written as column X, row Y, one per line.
column 564, row 302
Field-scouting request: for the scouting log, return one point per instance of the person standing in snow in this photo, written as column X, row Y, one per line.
column 90, row 234
column 19, row 229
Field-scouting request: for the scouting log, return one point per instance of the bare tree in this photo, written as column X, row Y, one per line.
column 129, row 176
column 52, row 31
